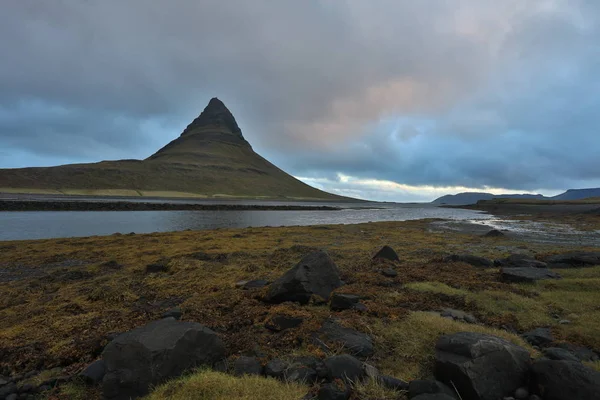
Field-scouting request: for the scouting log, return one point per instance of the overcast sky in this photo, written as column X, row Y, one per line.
column 381, row 99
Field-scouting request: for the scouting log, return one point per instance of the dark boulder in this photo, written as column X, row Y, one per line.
column 581, row 352
column 458, row 315
column 556, row 353
column 344, row 367
column 253, row 284
column 7, row 390
column 480, row 366
column 386, row 253
column 334, row 391
column 305, row 369
column 282, row 322
column 340, row 301
column 564, row 380
column 539, row 337
column 276, row 368
column 392, row 383
column 175, row 312
column 419, row 387
column 475, row 261
column 247, row 366
column 389, row 273
column 94, row 373
column 520, row 261
column 153, row 353
column 527, row 274
column 574, row 259
column 494, row 233
column 357, row 343
column 161, row 265
column 314, row 274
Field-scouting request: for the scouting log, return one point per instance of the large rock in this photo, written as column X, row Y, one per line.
column 153, row 353
column 475, row 261
column 419, row 387
column 574, row 259
column 527, row 274
column 564, row 380
column 482, row 367
column 94, row 373
column 314, row 274
column 539, row 337
column 581, row 352
column 344, row 367
column 340, row 301
column 386, row 253
column 247, row 366
column 520, row 261
column 556, row 353
column 357, row 343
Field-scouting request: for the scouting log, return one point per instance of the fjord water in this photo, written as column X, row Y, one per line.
column 50, row 224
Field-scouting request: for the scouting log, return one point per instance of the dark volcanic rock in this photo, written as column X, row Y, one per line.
column 386, row 253
column 556, row 353
column 314, row 274
column 520, row 261
column 253, row 284
column 247, row 366
column 389, row 272
column 154, row 353
column 526, row 274
column 458, row 315
column 475, row 261
column 344, row 367
column 282, row 322
column 161, row 265
column 539, row 337
column 357, row 343
column 334, row 391
column 582, row 353
column 565, row 380
column 7, row 390
column 94, row 373
column 173, row 312
column 574, row 259
column 418, row 387
column 436, row 396
column 482, row 367
column 392, row 383
column 494, row 233
column 276, row 368
column 340, row 301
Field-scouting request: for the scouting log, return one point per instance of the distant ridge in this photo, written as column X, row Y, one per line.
column 466, row 198
column 210, row 158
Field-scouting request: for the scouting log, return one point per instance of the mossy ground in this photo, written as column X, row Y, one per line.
column 61, row 298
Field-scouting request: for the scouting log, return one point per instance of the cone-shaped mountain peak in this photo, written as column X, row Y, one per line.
column 215, row 117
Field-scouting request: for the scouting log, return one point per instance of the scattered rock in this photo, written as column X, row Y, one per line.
column 173, row 312
column 418, row 387
column 494, row 233
column 564, row 322
column 337, row 390
column 389, row 272
column 26, row 388
column 112, row 264
column 344, row 367
column 8, row 389
column 482, row 367
column 152, row 353
column 520, row 261
column 93, row 373
column 437, row 396
column 527, row 274
column 539, row 337
column 276, row 368
column 564, row 380
column 305, row 370
column 475, row 261
column 316, row 274
column 161, row 265
column 3, row 380
column 521, row 393
column 386, row 253
column 392, row 383
column 282, row 322
column 12, row 396
column 556, row 353
column 253, row 284
column 247, row 366
column 357, row 343
column 341, row 301
column 582, row 353
column 574, row 259
column 458, row 315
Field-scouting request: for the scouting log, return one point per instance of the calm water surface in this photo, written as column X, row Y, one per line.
column 50, row 224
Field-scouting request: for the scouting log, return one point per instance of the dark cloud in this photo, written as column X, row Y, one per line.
column 466, row 93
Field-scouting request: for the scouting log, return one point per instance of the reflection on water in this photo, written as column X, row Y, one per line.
column 49, row 224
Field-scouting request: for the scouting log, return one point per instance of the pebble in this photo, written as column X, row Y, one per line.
column 564, row 322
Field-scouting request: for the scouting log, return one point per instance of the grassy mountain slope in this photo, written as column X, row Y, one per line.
column 210, row 158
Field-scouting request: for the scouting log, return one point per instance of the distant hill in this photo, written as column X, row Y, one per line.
column 210, row 158
column 462, row 199
column 578, row 194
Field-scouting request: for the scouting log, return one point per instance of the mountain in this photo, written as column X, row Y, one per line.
column 210, row 158
column 578, row 194
column 466, row 198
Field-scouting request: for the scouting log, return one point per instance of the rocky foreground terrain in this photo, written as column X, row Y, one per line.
column 370, row 311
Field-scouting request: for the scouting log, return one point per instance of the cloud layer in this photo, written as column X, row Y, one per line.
column 435, row 94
